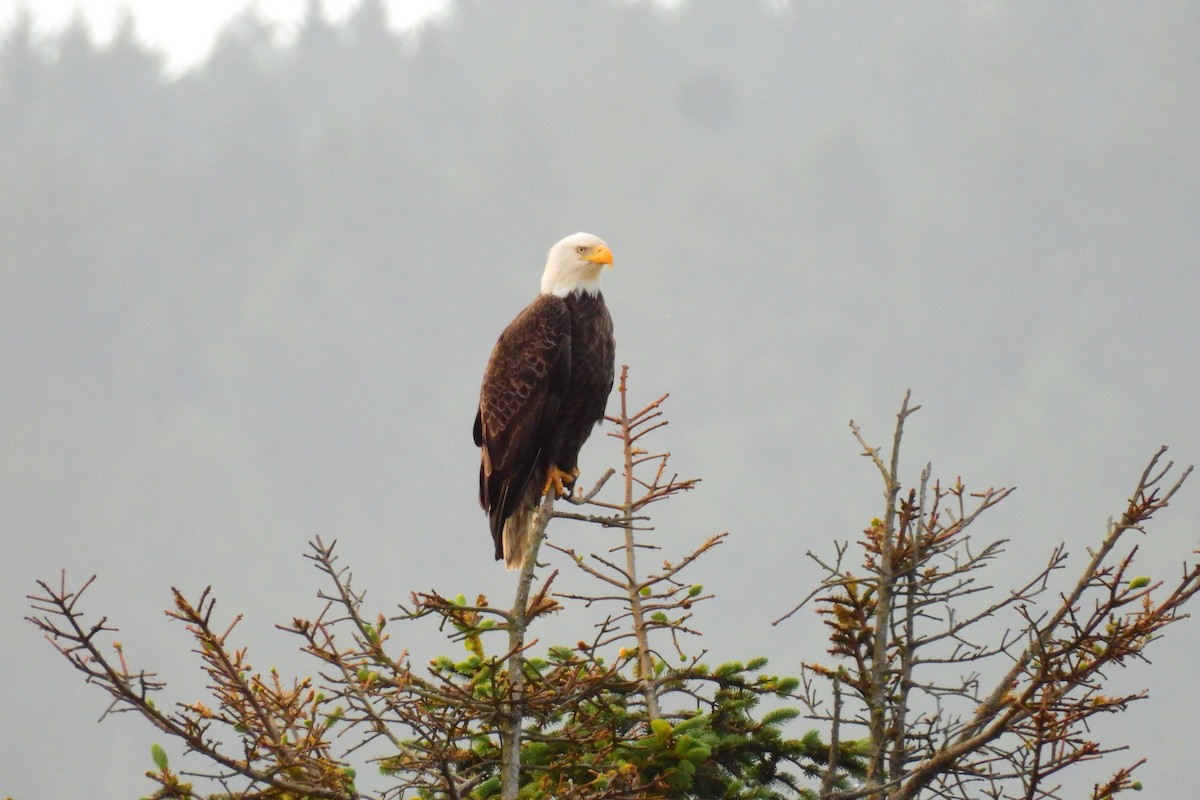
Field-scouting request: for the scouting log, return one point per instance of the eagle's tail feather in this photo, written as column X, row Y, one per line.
column 518, row 531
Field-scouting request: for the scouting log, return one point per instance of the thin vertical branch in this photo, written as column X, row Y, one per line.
column 907, row 652
column 830, row 777
column 633, row 586
column 879, row 672
column 514, row 717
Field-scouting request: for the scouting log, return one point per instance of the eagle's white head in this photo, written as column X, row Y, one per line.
column 574, row 265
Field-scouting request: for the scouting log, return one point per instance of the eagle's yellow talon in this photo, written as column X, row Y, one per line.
column 557, row 478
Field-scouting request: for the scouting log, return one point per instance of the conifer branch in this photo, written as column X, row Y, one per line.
column 908, row 613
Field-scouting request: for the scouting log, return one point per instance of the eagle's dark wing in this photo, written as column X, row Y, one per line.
column 519, row 404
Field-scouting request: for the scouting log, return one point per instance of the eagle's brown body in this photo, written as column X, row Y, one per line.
column 545, row 388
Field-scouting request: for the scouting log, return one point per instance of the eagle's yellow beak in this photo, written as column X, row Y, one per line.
column 601, row 255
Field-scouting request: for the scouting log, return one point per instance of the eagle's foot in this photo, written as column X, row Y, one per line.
column 560, row 480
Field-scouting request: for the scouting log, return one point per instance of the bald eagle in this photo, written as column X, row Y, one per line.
column 544, row 390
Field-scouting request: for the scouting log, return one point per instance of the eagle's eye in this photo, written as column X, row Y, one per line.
column 581, row 249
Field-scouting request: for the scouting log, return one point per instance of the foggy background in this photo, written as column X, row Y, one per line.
column 251, row 304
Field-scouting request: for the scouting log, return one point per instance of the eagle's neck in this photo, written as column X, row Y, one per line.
column 562, row 287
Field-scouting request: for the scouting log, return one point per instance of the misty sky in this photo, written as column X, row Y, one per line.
column 247, row 300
